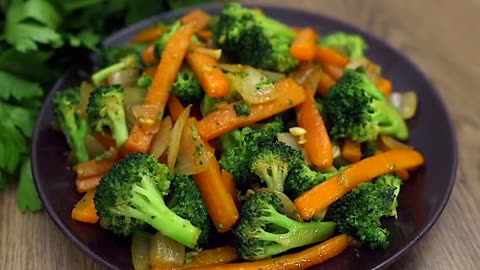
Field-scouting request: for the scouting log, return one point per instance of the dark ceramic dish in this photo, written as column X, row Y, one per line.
column 421, row 201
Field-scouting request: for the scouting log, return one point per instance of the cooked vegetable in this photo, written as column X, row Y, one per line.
column 324, row 55
column 100, row 76
column 354, row 109
column 249, row 37
column 263, row 232
column 326, row 193
column 74, row 126
column 300, row 260
column 225, row 119
column 187, row 88
column 140, row 249
column 84, row 210
column 200, row 18
column 166, row 252
column 207, row 258
column 172, row 58
column 350, row 45
column 149, row 34
column 206, row 69
column 303, row 46
column 131, row 196
column 359, row 212
column 352, row 151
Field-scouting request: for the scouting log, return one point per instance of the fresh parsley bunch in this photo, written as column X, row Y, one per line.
column 39, row 39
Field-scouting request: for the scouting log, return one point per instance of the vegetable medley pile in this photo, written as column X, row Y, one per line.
column 211, row 140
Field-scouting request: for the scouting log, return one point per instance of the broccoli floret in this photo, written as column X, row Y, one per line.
column 105, row 109
column 355, row 109
column 249, row 37
column 131, row 197
column 231, row 140
column 74, row 126
column 237, row 160
column 263, row 231
column 130, row 61
column 187, row 88
column 359, row 212
column 301, row 178
column 242, row 109
column 351, row 45
column 187, row 203
column 272, row 162
column 394, row 181
column 163, row 40
column 145, row 81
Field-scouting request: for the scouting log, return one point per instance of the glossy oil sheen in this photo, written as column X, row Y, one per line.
column 422, row 198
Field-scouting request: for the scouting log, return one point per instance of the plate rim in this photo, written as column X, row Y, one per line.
column 111, row 40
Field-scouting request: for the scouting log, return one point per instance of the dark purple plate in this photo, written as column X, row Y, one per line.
column 421, row 201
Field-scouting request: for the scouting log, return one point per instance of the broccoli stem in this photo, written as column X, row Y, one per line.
column 76, row 133
column 144, row 196
column 273, row 176
column 392, row 123
column 299, row 233
column 119, row 130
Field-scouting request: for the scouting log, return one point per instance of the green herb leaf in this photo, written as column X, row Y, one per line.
column 27, row 196
column 30, row 66
column 18, row 89
column 32, row 22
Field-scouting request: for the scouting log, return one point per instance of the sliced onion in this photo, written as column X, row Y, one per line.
column 373, row 70
column 292, row 141
column 176, row 136
column 337, row 151
column 94, row 147
column 148, row 116
column 125, row 77
column 141, row 252
column 246, row 82
column 308, row 75
column 387, row 143
column 162, row 138
column 85, row 90
column 406, row 103
column 288, row 208
column 193, row 156
column 166, row 252
column 272, row 76
column 232, row 68
column 134, row 96
column 217, row 53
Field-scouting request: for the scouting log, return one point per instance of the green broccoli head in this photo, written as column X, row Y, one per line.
column 393, row 181
column 351, row 45
column 272, row 162
column 187, row 203
column 131, row 197
column 355, row 109
column 358, row 213
column 263, row 231
column 105, row 109
column 249, row 37
column 74, row 126
column 187, row 88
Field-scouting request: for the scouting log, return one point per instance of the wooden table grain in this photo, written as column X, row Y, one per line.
column 442, row 37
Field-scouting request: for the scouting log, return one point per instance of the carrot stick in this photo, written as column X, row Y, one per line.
column 385, row 86
column 326, row 81
column 300, row 260
column 208, row 258
column 204, row 35
column 85, row 210
column 352, row 151
column 175, row 107
column 86, row 184
column 325, row 55
column 149, row 34
column 211, row 77
column 402, row 173
column 94, row 167
column 227, row 180
column 321, row 196
column 220, row 204
column 334, row 71
column 225, row 118
column 165, row 75
column 303, row 46
column 200, row 18
column 148, row 55
column 318, row 146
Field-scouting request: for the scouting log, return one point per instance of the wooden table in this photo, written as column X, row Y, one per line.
column 442, row 37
